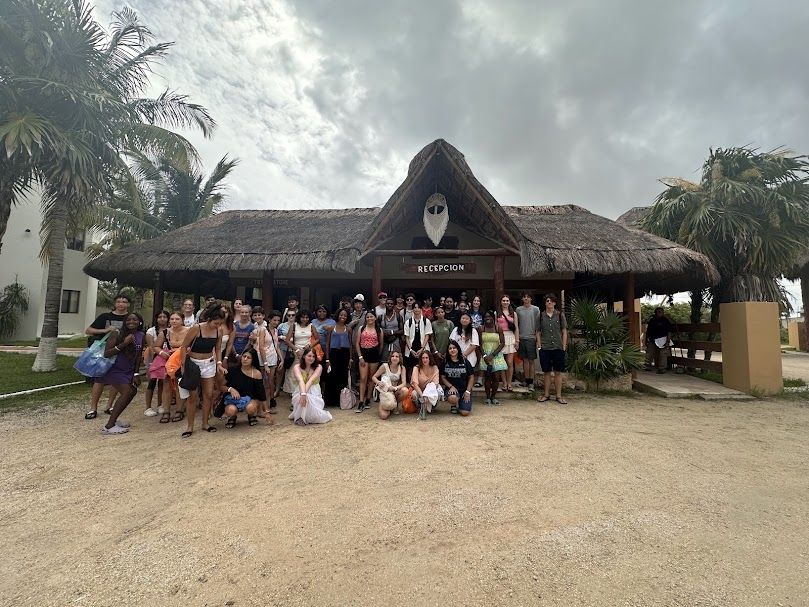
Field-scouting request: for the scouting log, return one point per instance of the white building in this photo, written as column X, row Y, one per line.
column 20, row 258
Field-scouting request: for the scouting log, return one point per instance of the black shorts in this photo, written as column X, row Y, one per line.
column 527, row 348
column 552, row 360
column 370, row 355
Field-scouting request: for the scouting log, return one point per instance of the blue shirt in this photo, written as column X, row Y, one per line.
column 322, row 326
column 241, row 337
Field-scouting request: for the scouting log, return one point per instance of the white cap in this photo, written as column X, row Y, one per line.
column 359, row 297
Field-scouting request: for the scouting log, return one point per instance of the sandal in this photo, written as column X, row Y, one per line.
column 252, row 420
column 91, row 415
column 165, row 418
column 108, row 410
column 186, row 434
column 178, row 416
column 231, row 422
column 495, row 401
column 543, row 399
column 488, row 401
column 561, row 401
column 453, row 409
column 478, row 384
column 210, row 429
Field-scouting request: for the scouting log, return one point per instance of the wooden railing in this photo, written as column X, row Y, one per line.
column 683, row 338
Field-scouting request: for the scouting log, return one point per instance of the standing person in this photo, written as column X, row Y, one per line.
column 245, row 391
column 492, row 362
column 417, row 333
column 457, row 377
column 226, row 331
column 381, row 303
column 168, row 342
column 476, row 313
column 427, row 307
column 358, row 311
column 657, row 341
column 369, row 350
column 264, row 340
column 307, row 401
column 442, row 328
column 202, row 344
column 161, row 325
column 189, row 318
column 242, row 330
column 391, row 324
column 467, row 338
column 400, row 306
column 450, row 311
column 298, row 337
column 389, row 379
column 509, row 325
column 338, row 355
column 410, row 301
column 287, row 322
column 292, row 305
column 426, row 383
column 528, row 321
column 210, row 300
column 126, row 345
column 103, row 324
column 552, row 338
column 323, row 324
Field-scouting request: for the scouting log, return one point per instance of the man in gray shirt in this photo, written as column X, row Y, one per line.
column 552, row 347
column 528, row 319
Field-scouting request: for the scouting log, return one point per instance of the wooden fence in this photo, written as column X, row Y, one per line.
column 684, row 337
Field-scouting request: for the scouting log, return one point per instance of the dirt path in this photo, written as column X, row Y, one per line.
column 615, row 501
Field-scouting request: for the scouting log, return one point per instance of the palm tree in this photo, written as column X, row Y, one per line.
column 72, row 112
column 165, row 197
column 749, row 214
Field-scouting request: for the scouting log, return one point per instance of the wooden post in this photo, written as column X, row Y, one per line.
column 632, row 319
column 267, row 282
column 499, row 265
column 376, row 278
column 157, row 293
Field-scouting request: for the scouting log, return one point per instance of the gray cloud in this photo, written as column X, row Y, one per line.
column 587, row 102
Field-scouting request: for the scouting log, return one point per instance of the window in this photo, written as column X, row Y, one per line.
column 70, row 302
column 75, row 240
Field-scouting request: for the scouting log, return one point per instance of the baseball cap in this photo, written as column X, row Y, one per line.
column 359, row 297
column 381, row 294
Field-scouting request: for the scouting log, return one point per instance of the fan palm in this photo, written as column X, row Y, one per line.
column 749, row 214
column 72, row 112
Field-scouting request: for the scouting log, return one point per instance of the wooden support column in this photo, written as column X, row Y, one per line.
column 632, row 318
column 157, row 293
column 376, row 278
column 267, row 282
column 499, row 277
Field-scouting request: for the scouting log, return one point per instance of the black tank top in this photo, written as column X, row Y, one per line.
column 204, row 345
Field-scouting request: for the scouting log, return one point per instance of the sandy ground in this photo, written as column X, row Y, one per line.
column 610, row 501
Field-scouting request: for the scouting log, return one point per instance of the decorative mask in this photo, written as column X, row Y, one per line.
column 436, row 217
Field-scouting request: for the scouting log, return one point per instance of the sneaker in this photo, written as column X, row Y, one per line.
column 114, row 430
column 150, row 412
column 161, row 410
column 122, row 424
column 488, row 401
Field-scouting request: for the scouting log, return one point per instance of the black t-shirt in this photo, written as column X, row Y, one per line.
column 246, row 385
column 658, row 327
column 416, row 345
column 454, row 316
column 458, row 374
column 107, row 319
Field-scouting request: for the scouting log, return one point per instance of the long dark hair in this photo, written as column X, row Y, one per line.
column 467, row 330
column 452, row 342
column 254, row 358
column 130, row 349
column 432, row 359
column 166, row 313
column 302, row 361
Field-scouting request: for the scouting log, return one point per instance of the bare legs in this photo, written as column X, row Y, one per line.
column 509, row 370
column 491, row 383
column 207, row 384
column 125, row 392
column 367, row 371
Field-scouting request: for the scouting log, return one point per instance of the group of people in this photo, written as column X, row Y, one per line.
column 406, row 354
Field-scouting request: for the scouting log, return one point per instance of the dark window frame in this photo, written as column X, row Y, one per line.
column 76, row 241
column 70, row 299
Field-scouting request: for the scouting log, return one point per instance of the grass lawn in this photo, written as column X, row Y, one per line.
column 77, row 341
column 16, row 374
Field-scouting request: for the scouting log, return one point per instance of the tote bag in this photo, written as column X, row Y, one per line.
column 348, row 398
column 92, row 362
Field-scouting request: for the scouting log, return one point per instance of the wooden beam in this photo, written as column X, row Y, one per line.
column 706, row 346
column 267, row 281
column 440, row 252
column 698, row 363
column 499, row 267
column 700, row 327
column 376, row 278
column 158, row 294
column 632, row 318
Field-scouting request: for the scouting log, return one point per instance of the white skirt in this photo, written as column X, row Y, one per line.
column 510, row 345
column 314, row 412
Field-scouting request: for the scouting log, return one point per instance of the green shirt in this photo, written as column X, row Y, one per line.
column 441, row 331
column 550, row 330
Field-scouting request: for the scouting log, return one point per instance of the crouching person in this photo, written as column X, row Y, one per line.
column 245, row 393
column 458, row 377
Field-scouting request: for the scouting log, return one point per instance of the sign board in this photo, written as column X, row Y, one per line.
column 439, row 268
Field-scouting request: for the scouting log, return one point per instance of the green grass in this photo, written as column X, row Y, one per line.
column 793, row 382
column 48, row 398
column 16, row 374
column 77, row 341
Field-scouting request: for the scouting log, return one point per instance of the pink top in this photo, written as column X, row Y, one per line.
column 502, row 321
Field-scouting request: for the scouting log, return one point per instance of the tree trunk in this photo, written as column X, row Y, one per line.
column 697, row 301
column 805, row 300
column 46, row 353
column 6, row 201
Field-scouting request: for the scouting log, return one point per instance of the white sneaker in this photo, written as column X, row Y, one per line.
column 114, row 430
column 161, row 410
column 150, row 412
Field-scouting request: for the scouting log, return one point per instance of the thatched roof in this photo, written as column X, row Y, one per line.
column 569, row 238
column 549, row 239
column 633, row 216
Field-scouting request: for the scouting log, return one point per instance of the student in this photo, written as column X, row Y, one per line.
column 407, row 311
column 307, row 401
column 442, row 328
column 210, row 300
column 657, row 341
column 369, row 350
column 451, row 312
column 427, row 308
column 292, row 305
column 264, row 340
column 242, row 330
column 425, row 383
column 161, row 324
column 528, row 317
column 167, row 343
column 338, row 355
column 126, row 345
column 391, row 324
column 509, row 324
column 552, row 338
column 300, row 335
column 245, row 392
column 389, row 378
column 202, row 345
column 492, row 362
column 381, row 306
column 417, row 332
column 458, row 377
column 476, row 313
column 189, row 318
column 467, row 338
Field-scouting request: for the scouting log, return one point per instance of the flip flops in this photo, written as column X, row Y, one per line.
column 544, row 399
column 91, row 415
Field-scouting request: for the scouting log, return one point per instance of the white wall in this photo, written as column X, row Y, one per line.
column 20, row 257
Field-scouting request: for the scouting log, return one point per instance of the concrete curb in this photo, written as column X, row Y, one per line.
column 35, row 390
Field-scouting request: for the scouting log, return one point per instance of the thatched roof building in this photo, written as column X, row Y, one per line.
column 497, row 247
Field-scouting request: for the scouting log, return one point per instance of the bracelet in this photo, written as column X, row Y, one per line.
column 303, row 393
column 361, row 357
column 117, row 349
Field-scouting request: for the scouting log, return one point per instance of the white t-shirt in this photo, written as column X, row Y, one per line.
column 189, row 321
column 475, row 341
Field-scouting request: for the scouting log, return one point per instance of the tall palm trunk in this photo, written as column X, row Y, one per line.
column 804, row 339
column 46, row 353
column 6, row 200
column 697, row 301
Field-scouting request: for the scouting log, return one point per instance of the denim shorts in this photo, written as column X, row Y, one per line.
column 240, row 403
column 465, row 404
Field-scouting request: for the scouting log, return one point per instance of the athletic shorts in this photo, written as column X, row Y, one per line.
column 370, row 355
column 552, row 360
column 528, row 348
column 465, row 404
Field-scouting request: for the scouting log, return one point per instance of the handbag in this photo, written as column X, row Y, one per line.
column 289, row 357
column 173, row 363
column 191, row 375
column 92, row 362
column 387, row 400
column 348, row 398
column 157, row 368
column 317, row 348
column 408, row 405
